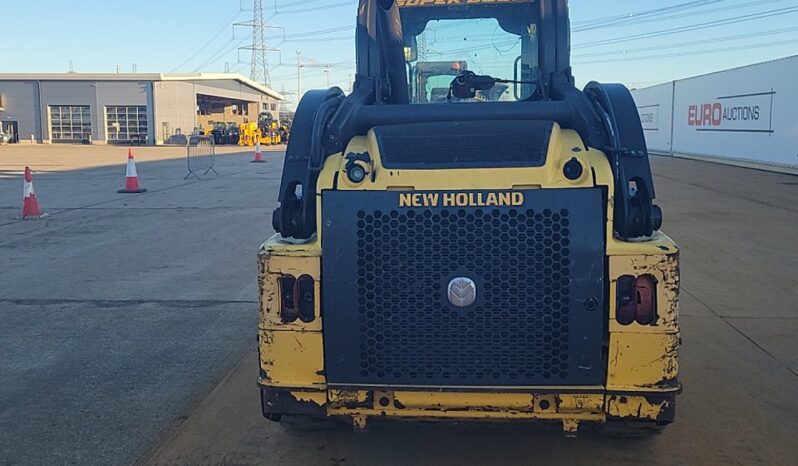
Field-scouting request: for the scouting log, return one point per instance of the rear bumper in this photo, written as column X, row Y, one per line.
column 585, row 404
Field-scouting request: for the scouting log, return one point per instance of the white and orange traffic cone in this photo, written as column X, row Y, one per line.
column 30, row 205
column 131, row 177
column 258, row 154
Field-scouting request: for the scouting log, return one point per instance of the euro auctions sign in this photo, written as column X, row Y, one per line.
column 743, row 113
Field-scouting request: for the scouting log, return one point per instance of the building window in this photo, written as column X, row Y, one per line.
column 70, row 123
column 274, row 107
column 126, row 123
column 241, row 109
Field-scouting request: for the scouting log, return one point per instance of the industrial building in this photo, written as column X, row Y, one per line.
column 125, row 108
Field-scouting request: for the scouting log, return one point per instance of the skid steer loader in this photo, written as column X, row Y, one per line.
column 465, row 258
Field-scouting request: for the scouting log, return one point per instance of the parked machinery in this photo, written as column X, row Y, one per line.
column 285, row 132
column 269, row 129
column 231, row 134
column 218, row 133
column 249, row 134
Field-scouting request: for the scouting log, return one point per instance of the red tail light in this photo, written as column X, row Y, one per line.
column 646, row 290
column 288, row 308
column 297, row 299
column 636, row 300
column 306, row 298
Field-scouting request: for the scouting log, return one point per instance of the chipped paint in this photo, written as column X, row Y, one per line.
column 570, row 427
column 346, row 399
column 637, row 407
column 317, row 398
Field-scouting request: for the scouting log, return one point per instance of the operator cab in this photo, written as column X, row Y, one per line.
column 498, row 40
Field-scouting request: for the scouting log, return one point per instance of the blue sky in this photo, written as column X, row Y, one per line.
column 197, row 35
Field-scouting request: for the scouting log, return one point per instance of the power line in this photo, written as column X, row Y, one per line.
column 308, row 10
column 694, row 53
column 645, row 13
column 687, row 43
column 320, row 32
column 221, row 52
column 326, row 39
column 669, row 16
column 694, row 27
column 279, row 4
column 208, row 42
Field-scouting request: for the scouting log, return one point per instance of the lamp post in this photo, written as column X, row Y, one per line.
column 298, row 75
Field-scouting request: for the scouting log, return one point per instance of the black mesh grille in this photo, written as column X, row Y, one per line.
column 538, row 269
column 464, row 144
column 522, row 259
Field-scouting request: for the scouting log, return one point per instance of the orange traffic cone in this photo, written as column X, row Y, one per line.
column 258, row 154
column 131, row 177
column 30, row 206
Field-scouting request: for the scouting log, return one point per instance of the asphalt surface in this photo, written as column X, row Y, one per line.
column 120, row 313
column 128, row 327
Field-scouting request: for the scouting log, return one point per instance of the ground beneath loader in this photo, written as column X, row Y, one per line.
column 128, row 324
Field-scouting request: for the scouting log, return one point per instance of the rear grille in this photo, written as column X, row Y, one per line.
column 464, row 144
column 539, row 278
column 522, row 258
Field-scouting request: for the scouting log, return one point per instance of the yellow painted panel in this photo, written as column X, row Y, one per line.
column 295, row 266
column 564, row 145
column 642, row 361
column 292, row 359
column 487, row 401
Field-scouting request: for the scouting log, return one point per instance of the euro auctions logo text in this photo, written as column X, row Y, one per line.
column 744, row 113
column 716, row 114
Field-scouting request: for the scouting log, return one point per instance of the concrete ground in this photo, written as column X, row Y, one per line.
column 120, row 313
column 128, row 328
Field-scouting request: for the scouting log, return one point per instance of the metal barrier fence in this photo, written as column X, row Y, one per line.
column 200, row 155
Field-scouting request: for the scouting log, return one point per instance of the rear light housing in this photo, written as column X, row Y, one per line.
column 297, row 298
column 636, row 300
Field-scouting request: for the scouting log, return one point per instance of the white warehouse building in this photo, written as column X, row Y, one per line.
column 746, row 115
